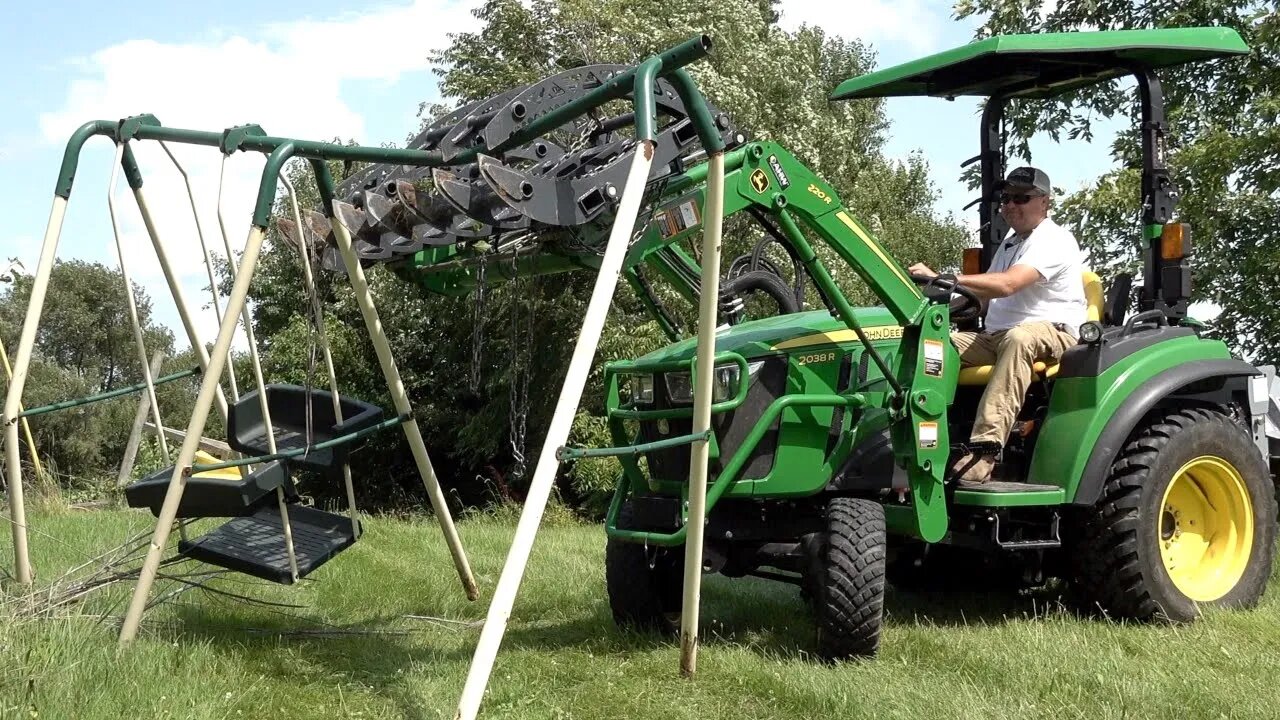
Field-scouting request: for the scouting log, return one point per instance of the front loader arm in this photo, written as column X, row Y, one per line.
column 768, row 177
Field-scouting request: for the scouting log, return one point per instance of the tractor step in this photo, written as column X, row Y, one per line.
column 1002, row 486
column 255, row 546
column 1052, row 540
column 1002, row 493
column 218, row 493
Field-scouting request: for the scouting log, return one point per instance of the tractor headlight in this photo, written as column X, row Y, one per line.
column 642, row 389
column 1090, row 332
column 724, row 383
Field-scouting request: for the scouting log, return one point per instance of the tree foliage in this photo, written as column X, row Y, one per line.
column 1225, row 154
column 482, row 366
column 86, row 345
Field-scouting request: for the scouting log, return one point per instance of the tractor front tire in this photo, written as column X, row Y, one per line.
column 851, row 587
column 1186, row 519
column 645, row 584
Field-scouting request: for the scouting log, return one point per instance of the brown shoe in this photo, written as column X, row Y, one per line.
column 972, row 468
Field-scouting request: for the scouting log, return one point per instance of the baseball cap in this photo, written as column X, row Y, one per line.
column 1027, row 177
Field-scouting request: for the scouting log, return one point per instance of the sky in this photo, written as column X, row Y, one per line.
column 320, row 70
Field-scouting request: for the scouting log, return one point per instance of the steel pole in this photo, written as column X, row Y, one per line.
column 360, row 286
column 195, row 430
column 712, row 217
column 21, row 362
column 584, row 351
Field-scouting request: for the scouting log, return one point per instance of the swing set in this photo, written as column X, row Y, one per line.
column 541, row 179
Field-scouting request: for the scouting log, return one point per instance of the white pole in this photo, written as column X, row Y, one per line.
column 132, row 304
column 360, row 286
column 22, row 361
column 195, row 430
column 175, row 289
column 584, row 351
column 712, row 217
column 304, row 249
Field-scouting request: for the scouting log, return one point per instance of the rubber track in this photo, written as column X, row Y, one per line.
column 852, row 610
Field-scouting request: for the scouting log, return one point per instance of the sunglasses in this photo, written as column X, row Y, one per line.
column 1019, row 199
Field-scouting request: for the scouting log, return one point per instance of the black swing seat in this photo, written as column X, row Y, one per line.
column 218, row 493
column 289, row 406
column 254, row 545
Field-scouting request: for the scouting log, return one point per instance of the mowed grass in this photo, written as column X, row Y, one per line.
column 351, row 651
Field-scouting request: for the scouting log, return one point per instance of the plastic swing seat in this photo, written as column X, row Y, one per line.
column 289, row 406
column 255, row 545
column 215, row 493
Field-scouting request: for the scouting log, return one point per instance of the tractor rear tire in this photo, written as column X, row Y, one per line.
column 1186, row 519
column 851, row 589
column 645, row 584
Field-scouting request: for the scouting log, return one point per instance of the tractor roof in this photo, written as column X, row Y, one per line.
column 1044, row 64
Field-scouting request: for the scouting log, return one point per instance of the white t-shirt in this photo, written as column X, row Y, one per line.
column 1058, row 296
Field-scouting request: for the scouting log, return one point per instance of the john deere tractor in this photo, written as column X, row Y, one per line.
column 1138, row 471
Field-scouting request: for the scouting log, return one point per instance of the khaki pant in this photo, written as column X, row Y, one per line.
column 1013, row 352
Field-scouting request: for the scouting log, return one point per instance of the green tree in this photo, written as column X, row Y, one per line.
column 1225, row 153
column 470, row 362
column 86, row 345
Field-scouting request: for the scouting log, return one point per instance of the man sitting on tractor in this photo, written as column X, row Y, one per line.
column 1035, row 306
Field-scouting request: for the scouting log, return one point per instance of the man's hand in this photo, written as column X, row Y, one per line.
column 921, row 269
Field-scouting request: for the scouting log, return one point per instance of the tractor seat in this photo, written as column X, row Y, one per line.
column 979, row 374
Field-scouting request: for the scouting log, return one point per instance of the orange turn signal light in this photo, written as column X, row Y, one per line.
column 1175, row 241
column 971, row 264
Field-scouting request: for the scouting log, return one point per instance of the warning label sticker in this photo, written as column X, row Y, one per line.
column 928, row 435
column 933, row 358
column 678, row 219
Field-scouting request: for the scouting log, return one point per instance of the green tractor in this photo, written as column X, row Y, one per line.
column 1139, row 470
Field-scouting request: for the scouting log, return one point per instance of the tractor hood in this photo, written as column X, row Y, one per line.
column 785, row 333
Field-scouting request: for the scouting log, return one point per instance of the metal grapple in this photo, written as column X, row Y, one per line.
column 556, row 190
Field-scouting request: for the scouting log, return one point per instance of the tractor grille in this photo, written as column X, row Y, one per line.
column 731, row 428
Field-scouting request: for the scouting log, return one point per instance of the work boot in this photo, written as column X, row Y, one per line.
column 973, row 468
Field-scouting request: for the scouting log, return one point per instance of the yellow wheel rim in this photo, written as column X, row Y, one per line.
column 1206, row 528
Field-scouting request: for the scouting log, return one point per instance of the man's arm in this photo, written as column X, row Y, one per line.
column 990, row 285
column 1000, row 284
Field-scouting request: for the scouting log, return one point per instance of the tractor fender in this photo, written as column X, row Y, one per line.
column 1164, row 385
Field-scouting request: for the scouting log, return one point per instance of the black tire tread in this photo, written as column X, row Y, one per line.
column 641, row 596
column 851, row 607
column 1105, row 563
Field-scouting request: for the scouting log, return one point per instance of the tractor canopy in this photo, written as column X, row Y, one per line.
column 1043, row 65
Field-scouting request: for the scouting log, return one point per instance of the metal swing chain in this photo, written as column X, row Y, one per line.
column 521, row 341
column 477, row 322
column 313, row 297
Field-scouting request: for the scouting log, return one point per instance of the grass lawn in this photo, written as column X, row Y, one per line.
column 350, row 650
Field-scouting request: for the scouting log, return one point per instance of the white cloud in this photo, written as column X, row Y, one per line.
column 287, row 77
column 913, row 23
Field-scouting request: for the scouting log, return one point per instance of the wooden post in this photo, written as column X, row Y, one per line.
column 139, row 419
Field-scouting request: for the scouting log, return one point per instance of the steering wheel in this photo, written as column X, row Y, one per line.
column 964, row 305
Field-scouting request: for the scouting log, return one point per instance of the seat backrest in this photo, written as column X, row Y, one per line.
column 1117, row 305
column 1093, row 295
